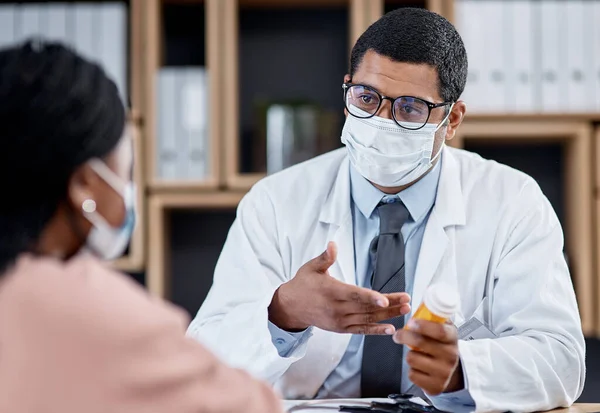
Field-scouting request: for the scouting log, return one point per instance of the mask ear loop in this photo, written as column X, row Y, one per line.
column 108, row 176
column 444, row 123
column 446, row 120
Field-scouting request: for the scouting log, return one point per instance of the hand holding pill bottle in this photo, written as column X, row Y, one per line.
column 440, row 302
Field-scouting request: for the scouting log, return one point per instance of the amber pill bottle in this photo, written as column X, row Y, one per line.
column 440, row 302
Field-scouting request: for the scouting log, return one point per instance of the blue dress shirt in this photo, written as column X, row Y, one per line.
column 344, row 380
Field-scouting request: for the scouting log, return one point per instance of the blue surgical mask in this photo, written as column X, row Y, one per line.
column 105, row 241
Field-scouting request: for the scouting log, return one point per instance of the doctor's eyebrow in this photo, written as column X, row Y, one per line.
column 428, row 99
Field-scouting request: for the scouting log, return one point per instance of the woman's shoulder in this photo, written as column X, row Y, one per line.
column 83, row 288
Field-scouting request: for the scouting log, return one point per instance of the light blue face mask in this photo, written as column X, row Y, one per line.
column 105, row 241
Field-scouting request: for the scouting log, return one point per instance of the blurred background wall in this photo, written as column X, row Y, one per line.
column 223, row 92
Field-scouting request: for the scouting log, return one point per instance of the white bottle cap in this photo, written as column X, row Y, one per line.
column 441, row 299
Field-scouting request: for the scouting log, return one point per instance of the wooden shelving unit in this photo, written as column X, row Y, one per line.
column 596, row 225
column 154, row 58
column 232, row 30
column 158, row 275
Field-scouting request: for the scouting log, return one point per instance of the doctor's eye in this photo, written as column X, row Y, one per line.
column 360, row 98
column 411, row 109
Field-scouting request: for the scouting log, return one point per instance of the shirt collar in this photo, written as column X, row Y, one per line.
column 418, row 198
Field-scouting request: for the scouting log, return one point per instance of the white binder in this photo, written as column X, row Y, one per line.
column 85, row 30
column 461, row 17
column 7, row 24
column 112, row 50
column 492, row 13
column 553, row 55
column 520, row 63
column 28, row 22
column 470, row 28
column 56, row 18
column 195, row 123
column 166, row 153
column 595, row 51
column 578, row 58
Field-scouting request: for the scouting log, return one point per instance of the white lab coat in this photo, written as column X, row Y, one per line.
column 492, row 234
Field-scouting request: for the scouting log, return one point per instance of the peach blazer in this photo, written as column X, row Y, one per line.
column 77, row 337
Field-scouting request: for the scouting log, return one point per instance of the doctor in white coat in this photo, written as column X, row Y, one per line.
column 311, row 290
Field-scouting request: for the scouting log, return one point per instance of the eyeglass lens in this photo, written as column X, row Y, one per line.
column 364, row 102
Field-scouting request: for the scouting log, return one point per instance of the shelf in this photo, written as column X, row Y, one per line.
column 571, row 141
column 297, row 4
column 509, row 117
column 186, row 35
column 159, row 248
column 181, row 186
column 195, row 239
column 266, row 62
column 596, row 223
column 442, row 7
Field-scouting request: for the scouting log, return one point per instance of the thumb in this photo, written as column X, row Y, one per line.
column 326, row 259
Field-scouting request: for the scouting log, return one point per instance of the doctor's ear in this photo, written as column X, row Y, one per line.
column 347, row 79
column 456, row 117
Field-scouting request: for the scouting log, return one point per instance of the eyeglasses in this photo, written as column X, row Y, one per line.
column 408, row 112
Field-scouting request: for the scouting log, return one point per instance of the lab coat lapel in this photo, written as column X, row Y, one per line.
column 436, row 257
column 325, row 348
column 337, row 213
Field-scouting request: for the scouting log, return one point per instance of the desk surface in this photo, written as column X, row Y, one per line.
column 576, row 408
column 580, row 408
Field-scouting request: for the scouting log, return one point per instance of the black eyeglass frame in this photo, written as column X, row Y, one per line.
column 430, row 105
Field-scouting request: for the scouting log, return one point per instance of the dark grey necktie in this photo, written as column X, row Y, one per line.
column 381, row 372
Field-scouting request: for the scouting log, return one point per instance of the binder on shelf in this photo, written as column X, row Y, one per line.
column 595, row 50
column 552, row 55
column 577, row 52
column 55, row 18
column 279, row 134
column 181, row 140
column 493, row 60
column 166, row 153
column 195, row 122
column 292, row 134
column 470, row 28
column 112, row 51
column 7, row 24
column 28, row 22
column 520, row 95
column 85, row 30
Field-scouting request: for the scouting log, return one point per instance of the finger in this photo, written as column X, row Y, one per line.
column 426, row 364
column 426, row 382
column 376, row 316
column 326, row 259
column 424, row 344
column 364, row 299
column 371, row 329
column 442, row 332
column 398, row 298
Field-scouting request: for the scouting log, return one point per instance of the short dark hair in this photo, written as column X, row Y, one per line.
column 418, row 36
column 57, row 111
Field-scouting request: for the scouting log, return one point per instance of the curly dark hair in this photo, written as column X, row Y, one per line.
column 418, row 36
column 57, row 111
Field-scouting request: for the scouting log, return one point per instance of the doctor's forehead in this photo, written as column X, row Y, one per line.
column 393, row 79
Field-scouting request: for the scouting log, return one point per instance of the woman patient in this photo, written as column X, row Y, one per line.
column 76, row 336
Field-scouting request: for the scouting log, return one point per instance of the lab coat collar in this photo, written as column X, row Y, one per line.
column 449, row 202
column 449, row 205
column 336, row 208
column 436, row 257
